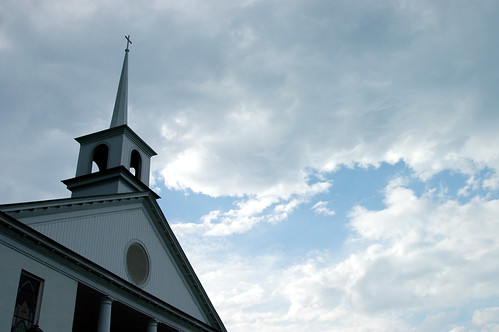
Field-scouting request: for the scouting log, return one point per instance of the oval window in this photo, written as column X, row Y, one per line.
column 137, row 263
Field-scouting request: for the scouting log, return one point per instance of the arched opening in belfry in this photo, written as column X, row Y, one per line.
column 135, row 163
column 99, row 158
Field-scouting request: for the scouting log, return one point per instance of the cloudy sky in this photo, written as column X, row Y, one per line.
column 326, row 165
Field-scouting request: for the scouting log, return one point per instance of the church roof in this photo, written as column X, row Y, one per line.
column 30, row 216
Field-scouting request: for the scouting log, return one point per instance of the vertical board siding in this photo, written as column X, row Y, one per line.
column 103, row 238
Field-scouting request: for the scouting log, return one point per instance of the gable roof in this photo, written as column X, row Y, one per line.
column 38, row 213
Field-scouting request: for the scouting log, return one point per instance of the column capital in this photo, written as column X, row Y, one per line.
column 106, row 299
column 152, row 325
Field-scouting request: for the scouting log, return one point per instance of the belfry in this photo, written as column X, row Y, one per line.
column 121, row 157
column 105, row 259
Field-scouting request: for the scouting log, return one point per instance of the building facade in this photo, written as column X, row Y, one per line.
column 106, row 258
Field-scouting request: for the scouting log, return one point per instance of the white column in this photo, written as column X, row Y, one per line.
column 105, row 315
column 152, row 326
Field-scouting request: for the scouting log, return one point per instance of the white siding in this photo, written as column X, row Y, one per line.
column 58, row 297
column 103, row 236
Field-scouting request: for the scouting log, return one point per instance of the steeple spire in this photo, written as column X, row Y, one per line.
column 114, row 160
column 120, row 112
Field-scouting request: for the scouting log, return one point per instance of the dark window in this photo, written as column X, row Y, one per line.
column 137, row 263
column 135, row 163
column 100, row 156
column 28, row 296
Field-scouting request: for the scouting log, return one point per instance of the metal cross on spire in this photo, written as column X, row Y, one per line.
column 128, row 41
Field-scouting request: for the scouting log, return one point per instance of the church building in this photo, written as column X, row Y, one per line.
column 105, row 259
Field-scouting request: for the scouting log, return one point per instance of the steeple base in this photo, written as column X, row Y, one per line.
column 117, row 180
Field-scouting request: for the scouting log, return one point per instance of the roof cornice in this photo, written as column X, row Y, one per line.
column 115, row 131
column 110, row 174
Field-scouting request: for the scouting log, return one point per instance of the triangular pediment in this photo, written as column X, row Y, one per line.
column 108, row 230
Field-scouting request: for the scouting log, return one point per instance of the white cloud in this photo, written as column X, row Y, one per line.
column 486, row 316
column 289, row 107
column 262, row 99
column 321, row 208
column 414, row 258
column 492, row 182
column 272, row 206
column 434, row 322
column 241, row 99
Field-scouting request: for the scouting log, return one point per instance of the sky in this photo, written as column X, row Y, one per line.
column 326, row 165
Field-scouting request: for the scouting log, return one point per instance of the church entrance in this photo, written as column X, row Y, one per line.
column 123, row 318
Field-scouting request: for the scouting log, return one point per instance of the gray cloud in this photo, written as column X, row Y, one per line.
column 252, row 99
column 262, row 90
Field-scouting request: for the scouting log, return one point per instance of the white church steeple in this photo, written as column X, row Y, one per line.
column 120, row 157
column 120, row 112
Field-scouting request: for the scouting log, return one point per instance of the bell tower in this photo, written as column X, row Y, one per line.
column 114, row 160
